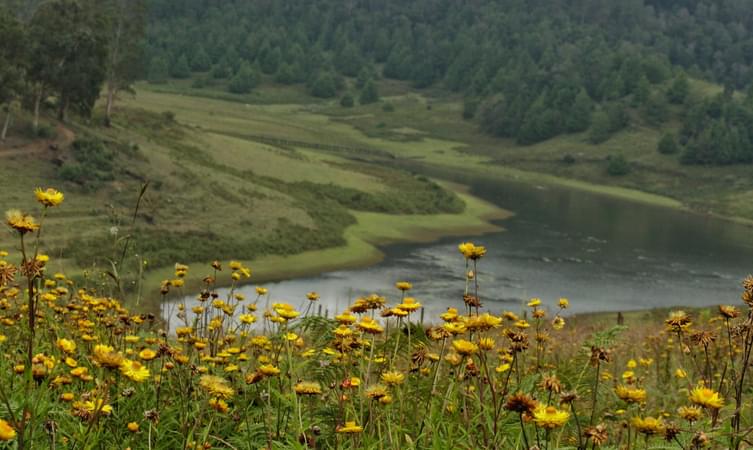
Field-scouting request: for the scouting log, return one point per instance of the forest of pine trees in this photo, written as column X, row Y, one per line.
column 529, row 69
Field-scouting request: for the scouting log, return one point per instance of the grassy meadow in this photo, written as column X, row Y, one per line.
column 221, row 165
column 82, row 371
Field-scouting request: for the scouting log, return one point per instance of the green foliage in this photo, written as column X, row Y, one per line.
column 347, row 100
column 158, row 70
column 68, row 53
column 718, row 131
column 180, row 68
column 288, row 73
column 656, row 110
column 600, row 130
column 12, row 55
column 244, row 81
column 618, row 166
column 678, row 91
column 369, row 93
column 269, row 59
column 324, row 86
column 667, row 144
column 200, row 61
column 93, row 163
column 470, row 106
column 541, row 84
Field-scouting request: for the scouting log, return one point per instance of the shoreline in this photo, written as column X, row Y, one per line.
column 362, row 248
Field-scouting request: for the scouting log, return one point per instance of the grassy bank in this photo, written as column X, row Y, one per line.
column 363, row 240
column 313, row 185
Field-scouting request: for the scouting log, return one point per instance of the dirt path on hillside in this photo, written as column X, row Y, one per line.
column 38, row 147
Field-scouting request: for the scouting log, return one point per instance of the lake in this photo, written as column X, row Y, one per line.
column 601, row 252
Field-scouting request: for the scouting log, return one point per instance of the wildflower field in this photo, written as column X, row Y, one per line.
column 79, row 370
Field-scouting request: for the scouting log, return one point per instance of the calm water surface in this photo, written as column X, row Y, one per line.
column 604, row 254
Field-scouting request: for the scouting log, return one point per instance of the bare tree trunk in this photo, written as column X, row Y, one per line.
column 37, row 102
column 6, row 125
column 110, row 102
column 63, row 108
column 112, row 75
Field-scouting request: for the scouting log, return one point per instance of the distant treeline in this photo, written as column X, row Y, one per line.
column 528, row 69
column 60, row 53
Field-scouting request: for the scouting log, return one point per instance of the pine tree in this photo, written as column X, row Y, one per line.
column 158, row 71
column 369, row 93
column 667, row 144
column 180, row 68
column 244, row 81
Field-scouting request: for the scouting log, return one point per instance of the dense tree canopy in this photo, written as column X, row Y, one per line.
column 535, row 68
column 529, row 69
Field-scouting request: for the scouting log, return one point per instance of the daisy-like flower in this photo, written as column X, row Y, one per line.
column 471, row 251
column 550, row 417
column 216, row 386
column 268, row 370
column 597, row 435
column 147, row 354
column 308, row 388
column 690, row 413
column 648, row 425
column 21, row 222
column 678, row 321
column 521, row 403
column 393, row 378
column 630, row 395
column 705, row 397
column 7, row 432
column 134, row 371
column 464, row 347
column 106, row 356
column 49, row 197
column 403, row 286
column 728, row 311
column 409, row 304
column 376, row 392
column 349, row 427
column 369, row 325
column 285, row 311
column 66, row 345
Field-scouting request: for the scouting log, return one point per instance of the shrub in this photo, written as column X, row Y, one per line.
column 618, row 166
column 93, row 163
column 347, row 100
column 667, row 145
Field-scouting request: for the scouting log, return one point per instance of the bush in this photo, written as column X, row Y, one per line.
column 388, row 107
column 200, row 82
column 347, row 100
column 667, row 145
column 324, row 86
column 93, row 163
column 470, row 106
column 568, row 159
column 369, row 93
column 244, row 81
column 618, row 166
column 599, row 131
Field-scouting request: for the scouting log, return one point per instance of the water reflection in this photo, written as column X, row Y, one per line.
column 605, row 254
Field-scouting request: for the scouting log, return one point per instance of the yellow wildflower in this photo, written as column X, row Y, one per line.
column 550, row 417
column 49, row 197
